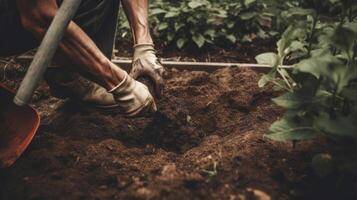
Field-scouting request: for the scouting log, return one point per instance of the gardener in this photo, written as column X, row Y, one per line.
column 86, row 49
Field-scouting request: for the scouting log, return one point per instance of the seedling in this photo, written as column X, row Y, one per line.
column 212, row 173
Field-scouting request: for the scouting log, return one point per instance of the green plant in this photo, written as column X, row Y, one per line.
column 200, row 23
column 212, row 173
column 320, row 93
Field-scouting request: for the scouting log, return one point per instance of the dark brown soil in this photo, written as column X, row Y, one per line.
column 206, row 142
column 244, row 52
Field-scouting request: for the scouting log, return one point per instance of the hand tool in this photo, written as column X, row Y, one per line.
column 18, row 121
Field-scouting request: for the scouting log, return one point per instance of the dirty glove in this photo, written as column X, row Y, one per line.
column 133, row 98
column 145, row 63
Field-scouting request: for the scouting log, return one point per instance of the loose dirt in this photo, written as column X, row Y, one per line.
column 206, row 142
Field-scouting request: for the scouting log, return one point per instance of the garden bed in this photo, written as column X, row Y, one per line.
column 206, row 142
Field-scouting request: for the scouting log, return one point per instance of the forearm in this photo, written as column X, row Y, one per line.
column 77, row 46
column 83, row 52
column 137, row 14
column 36, row 16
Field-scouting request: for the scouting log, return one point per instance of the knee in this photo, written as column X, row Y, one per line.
column 37, row 20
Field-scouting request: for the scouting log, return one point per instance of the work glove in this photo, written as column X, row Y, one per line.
column 133, row 98
column 146, row 64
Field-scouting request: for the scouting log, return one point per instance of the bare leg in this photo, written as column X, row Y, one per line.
column 36, row 16
column 137, row 14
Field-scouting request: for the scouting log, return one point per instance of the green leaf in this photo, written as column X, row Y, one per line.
column 170, row 36
column 171, row 14
column 297, row 100
column 324, row 64
column 163, row 26
column 279, row 84
column 300, row 11
column 221, row 14
column 231, row 38
column 211, row 33
column 231, row 24
column 247, row 15
column 325, row 37
column 247, row 38
column 180, row 43
column 195, row 4
column 157, row 11
column 296, row 46
column 342, row 126
column 352, row 26
column 199, row 40
column 292, row 33
column 248, row 2
column 178, row 26
column 287, row 130
column 319, row 65
column 262, row 34
column 345, row 37
column 267, row 58
column 267, row 78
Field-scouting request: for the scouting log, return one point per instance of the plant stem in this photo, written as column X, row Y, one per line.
column 351, row 58
column 333, row 103
column 285, row 79
column 350, row 15
column 343, row 15
column 334, row 97
column 282, row 86
column 317, row 86
column 313, row 30
column 340, row 24
column 354, row 51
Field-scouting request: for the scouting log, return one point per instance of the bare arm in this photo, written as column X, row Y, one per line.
column 145, row 61
column 36, row 16
column 137, row 14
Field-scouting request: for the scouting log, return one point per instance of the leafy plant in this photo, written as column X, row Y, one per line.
column 321, row 90
column 200, row 23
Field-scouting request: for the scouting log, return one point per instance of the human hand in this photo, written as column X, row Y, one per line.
column 134, row 98
column 146, row 64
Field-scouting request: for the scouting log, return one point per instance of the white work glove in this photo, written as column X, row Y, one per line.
column 146, row 64
column 133, row 98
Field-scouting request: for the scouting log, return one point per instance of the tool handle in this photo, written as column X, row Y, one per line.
column 46, row 51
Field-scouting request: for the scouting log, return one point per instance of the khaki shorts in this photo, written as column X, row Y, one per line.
column 98, row 18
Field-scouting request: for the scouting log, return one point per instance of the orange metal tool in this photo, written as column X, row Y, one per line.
column 18, row 121
column 18, row 125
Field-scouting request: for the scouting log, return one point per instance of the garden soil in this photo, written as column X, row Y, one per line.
column 206, row 142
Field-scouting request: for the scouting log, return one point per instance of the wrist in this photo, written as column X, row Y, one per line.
column 121, row 83
column 143, row 38
column 144, row 46
column 143, row 49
